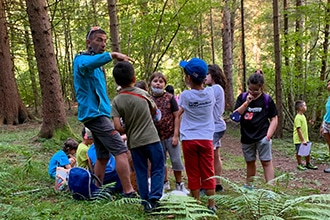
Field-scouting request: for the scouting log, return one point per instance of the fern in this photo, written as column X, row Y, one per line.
column 263, row 204
column 182, row 207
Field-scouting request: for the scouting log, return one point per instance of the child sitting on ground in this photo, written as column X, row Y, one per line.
column 82, row 159
column 63, row 158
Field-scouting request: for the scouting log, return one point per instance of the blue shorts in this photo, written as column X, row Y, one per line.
column 106, row 139
column 263, row 147
column 217, row 139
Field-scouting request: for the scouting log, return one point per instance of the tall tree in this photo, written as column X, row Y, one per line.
column 12, row 109
column 52, row 102
column 325, row 55
column 114, row 33
column 227, row 51
column 243, row 46
column 278, row 81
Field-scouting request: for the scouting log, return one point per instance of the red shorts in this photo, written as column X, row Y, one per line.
column 199, row 163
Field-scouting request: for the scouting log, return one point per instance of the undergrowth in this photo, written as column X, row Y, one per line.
column 26, row 190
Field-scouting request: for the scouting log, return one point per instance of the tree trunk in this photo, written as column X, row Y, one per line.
column 52, row 101
column 227, row 55
column 278, row 81
column 243, row 47
column 114, row 33
column 12, row 109
column 324, row 57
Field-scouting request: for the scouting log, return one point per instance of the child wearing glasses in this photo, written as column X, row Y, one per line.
column 258, row 123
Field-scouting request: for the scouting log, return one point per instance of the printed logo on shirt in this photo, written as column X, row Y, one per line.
column 199, row 104
column 250, row 112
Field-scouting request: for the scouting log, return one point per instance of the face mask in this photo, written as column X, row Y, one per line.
column 156, row 91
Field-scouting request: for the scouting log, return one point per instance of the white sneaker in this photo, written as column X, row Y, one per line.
column 182, row 188
column 167, row 185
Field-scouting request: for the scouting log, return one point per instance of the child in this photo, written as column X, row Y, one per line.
column 63, row 158
column 132, row 104
column 168, row 128
column 217, row 79
column 196, row 130
column 142, row 85
column 300, row 135
column 82, row 159
column 325, row 127
column 110, row 175
column 258, row 124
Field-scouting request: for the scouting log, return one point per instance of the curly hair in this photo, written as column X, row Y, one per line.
column 69, row 145
column 217, row 75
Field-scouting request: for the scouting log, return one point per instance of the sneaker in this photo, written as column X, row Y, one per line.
column 248, row 187
column 182, row 188
column 219, row 188
column 130, row 195
column 301, row 167
column 212, row 209
column 327, row 170
column 311, row 166
column 167, row 185
column 147, row 207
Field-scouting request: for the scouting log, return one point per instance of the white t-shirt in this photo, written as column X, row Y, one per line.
column 197, row 121
column 219, row 108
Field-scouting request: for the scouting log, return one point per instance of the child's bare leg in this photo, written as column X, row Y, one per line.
column 327, row 138
column 268, row 170
column 251, row 170
column 210, row 192
column 196, row 194
column 217, row 165
column 299, row 159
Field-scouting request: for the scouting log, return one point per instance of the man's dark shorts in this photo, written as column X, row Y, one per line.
column 106, row 138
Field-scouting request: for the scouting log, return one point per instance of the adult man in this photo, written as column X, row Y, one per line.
column 94, row 106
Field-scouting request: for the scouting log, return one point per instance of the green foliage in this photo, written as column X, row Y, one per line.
column 265, row 203
column 182, row 207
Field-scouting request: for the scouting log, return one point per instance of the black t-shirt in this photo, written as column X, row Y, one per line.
column 255, row 120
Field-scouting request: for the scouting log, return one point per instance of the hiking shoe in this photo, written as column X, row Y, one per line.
column 311, row 166
column 167, row 185
column 130, row 195
column 212, row 209
column 182, row 188
column 301, row 167
column 219, row 188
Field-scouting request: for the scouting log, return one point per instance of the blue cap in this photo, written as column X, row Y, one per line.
column 196, row 68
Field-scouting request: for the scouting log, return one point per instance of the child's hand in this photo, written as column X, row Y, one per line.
column 72, row 161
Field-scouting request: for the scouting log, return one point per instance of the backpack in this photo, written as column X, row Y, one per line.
column 235, row 116
column 82, row 185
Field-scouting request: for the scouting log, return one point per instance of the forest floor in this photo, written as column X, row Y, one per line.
column 315, row 180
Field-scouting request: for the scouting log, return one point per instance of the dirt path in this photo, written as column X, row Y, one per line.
column 316, row 180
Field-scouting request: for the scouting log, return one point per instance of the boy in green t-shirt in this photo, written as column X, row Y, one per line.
column 300, row 136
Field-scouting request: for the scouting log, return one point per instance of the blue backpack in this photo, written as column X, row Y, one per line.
column 82, row 185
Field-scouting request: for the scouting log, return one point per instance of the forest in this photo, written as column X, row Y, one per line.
column 288, row 40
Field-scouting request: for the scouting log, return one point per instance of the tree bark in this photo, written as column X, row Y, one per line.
column 278, row 80
column 114, row 33
column 53, row 111
column 227, row 55
column 12, row 109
